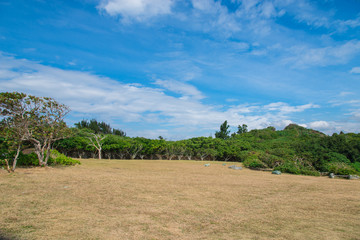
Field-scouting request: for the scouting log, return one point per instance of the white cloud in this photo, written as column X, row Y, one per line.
column 286, row 108
column 203, row 5
column 322, row 125
column 355, row 70
column 136, row 9
column 304, row 56
column 330, row 127
column 343, row 25
column 211, row 16
column 354, row 102
column 185, row 89
column 343, row 94
column 90, row 95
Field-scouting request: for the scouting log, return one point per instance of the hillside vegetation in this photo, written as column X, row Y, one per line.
column 294, row 150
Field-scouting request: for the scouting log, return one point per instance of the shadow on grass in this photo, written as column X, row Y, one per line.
column 4, row 237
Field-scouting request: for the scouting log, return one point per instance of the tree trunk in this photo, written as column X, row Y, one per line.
column 99, row 152
column 7, row 165
column 16, row 158
column 47, row 153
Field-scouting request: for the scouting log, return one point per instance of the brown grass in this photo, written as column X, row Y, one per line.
column 114, row 199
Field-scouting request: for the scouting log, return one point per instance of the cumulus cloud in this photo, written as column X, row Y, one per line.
column 136, row 9
column 323, row 125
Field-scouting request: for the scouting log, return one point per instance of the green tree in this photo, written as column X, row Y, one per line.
column 38, row 120
column 242, row 129
column 224, row 131
column 99, row 127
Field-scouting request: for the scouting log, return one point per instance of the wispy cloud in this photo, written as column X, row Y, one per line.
column 185, row 89
column 92, row 95
column 303, row 56
column 355, row 70
column 286, row 108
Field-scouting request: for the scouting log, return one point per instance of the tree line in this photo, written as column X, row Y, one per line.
column 39, row 122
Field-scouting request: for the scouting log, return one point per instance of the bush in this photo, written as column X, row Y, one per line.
column 270, row 160
column 31, row 159
column 297, row 166
column 253, row 162
column 337, row 157
column 57, row 158
column 356, row 166
column 339, row 168
column 27, row 159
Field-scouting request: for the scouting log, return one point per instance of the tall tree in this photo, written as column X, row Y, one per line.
column 224, row 131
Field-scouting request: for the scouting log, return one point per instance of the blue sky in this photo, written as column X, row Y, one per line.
column 179, row 68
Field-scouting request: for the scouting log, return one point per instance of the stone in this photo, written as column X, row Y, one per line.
column 331, row 175
column 277, row 172
column 207, row 165
column 235, row 167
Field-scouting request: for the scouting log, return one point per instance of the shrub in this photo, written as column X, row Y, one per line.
column 356, row 166
column 253, row 162
column 31, row 159
column 297, row 166
column 270, row 160
column 57, row 158
column 339, row 168
column 28, row 159
column 337, row 157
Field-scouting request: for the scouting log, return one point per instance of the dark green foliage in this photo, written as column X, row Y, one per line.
column 242, row 129
column 356, row 166
column 28, row 160
column 99, row 127
column 224, row 131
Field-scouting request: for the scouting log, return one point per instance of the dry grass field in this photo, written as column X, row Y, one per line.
column 116, row 199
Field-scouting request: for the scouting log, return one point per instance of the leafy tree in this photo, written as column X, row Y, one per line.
column 13, row 137
column 37, row 119
column 224, row 131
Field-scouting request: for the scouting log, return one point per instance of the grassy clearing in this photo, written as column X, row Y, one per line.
column 123, row 199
